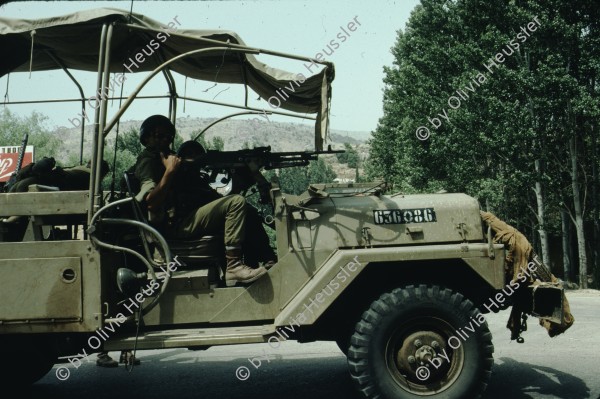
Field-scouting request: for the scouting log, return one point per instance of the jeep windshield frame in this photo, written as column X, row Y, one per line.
column 100, row 40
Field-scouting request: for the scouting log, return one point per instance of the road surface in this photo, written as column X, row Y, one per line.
column 566, row 367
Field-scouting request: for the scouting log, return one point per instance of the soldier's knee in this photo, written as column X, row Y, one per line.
column 238, row 199
column 236, row 203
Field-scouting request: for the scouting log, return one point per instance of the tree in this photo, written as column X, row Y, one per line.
column 13, row 128
column 217, row 144
column 121, row 158
column 129, row 141
column 350, row 156
column 320, row 172
column 293, row 180
column 297, row 179
column 498, row 130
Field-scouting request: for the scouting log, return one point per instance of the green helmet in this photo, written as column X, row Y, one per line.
column 152, row 123
column 190, row 148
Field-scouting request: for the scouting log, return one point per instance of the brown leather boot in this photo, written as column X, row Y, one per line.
column 237, row 271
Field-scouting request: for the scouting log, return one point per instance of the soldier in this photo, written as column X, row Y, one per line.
column 44, row 172
column 192, row 190
column 156, row 168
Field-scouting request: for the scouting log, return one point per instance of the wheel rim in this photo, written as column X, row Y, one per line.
column 415, row 349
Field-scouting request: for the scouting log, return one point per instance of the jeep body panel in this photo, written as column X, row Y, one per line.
column 344, row 266
column 311, row 255
column 372, row 220
column 50, row 287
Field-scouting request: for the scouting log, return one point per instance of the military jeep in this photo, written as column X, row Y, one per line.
column 400, row 282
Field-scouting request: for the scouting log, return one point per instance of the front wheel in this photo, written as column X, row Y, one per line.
column 423, row 341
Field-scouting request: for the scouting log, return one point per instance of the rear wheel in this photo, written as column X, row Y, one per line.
column 420, row 342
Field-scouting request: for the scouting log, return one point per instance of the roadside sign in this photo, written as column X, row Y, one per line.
column 9, row 157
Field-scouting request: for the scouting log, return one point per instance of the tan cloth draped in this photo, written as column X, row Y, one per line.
column 519, row 254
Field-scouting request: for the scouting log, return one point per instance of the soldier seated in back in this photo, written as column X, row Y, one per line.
column 156, row 169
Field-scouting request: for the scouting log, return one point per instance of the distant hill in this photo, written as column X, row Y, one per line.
column 281, row 136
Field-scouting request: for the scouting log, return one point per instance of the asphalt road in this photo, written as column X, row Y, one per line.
column 566, row 367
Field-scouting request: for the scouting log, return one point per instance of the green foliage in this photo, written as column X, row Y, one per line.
column 527, row 109
column 128, row 148
column 350, row 156
column 130, row 141
column 320, row 172
column 217, row 143
column 13, row 128
column 293, row 180
column 296, row 180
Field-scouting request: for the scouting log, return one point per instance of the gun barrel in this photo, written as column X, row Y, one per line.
column 260, row 155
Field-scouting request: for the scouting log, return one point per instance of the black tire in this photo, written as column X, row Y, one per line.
column 419, row 323
column 344, row 344
column 29, row 362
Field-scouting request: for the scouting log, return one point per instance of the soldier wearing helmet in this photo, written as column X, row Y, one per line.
column 192, row 190
column 156, row 169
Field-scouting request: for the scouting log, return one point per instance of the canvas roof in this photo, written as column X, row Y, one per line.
column 74, row 39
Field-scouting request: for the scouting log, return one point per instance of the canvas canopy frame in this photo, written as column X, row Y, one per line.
column 100, row 40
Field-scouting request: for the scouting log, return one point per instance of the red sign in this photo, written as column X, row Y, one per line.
column 8, row 161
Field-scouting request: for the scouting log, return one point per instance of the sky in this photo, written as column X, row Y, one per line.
column 302, row 27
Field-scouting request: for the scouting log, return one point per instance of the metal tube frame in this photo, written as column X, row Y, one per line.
column 256, row 50
column 94, row 161
column 97, row 201
column 71, row 100
column 222, row 119
column 200, row 100
column 105, row 128
column 102, row 127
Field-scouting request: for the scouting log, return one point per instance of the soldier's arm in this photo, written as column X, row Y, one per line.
column 158, row 194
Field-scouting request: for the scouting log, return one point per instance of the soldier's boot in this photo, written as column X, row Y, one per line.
column 237, row 271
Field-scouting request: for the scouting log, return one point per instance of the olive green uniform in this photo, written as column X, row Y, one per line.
column 212, row 215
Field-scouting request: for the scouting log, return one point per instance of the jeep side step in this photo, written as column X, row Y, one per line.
column 183, row 338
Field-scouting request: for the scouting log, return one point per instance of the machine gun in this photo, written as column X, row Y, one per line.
column 260, row 156
column 235, row 164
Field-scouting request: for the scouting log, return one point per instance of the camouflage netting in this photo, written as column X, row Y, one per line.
column 519, row 254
